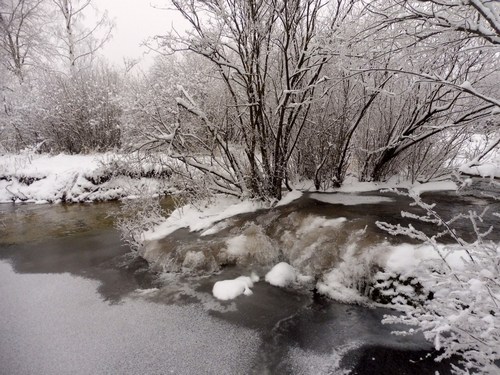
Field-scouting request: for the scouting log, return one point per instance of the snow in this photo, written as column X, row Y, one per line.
column 405, row 258
column 400, row 261
column 289, row 198
column 282, row 275
column 196, row 219
column 230, row 289
column 42, row 178
column 486, row 170
column 349, row 199
column 314, row 222
column 466, row 85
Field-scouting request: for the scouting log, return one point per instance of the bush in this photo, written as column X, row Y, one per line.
column 463, row 317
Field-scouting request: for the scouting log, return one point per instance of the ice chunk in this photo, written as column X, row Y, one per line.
column 236, row 246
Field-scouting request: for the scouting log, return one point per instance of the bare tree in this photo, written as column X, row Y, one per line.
column 79, row 43
column 469, row 18
column 471, row 29
column 446, row 55
column 22, row 35
column 270, row 56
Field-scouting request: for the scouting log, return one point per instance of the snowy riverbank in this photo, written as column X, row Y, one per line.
column 36, row 178
column 44, row 178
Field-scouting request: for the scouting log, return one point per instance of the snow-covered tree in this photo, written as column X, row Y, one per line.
column 433, row 27
column 82, row 112
column 76, row 43
column 23, row 34
column 270, row 57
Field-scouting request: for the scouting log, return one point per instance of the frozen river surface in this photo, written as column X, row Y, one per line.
column 72, row 302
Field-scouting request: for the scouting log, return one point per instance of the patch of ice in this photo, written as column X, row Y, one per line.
column 230, row 289
column 433, row 186
column 349, row 199
column 311, row 362
column 89, row 337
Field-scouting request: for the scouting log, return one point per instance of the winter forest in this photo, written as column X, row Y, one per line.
column 251, row 105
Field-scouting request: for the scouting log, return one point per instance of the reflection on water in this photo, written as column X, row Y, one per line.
column 76, row 238
column 25, row 223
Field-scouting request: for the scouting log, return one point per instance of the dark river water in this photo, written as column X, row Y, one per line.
column 73, row 300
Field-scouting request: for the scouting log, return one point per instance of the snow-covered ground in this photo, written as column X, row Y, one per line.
column 74, row 178
column 42, row 178
column 202, row 216
column 352, row 185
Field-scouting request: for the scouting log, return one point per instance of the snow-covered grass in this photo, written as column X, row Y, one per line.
column 43, row 178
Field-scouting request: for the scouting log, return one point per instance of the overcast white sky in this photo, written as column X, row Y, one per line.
column 135, row 21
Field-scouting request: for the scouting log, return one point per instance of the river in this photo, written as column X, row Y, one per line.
column 73, row 300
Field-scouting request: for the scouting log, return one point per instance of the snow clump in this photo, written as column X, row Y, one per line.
column 230, row 289
column 281, row 275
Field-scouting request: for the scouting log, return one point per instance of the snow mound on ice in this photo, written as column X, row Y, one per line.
column 230, row 289
column 405, row 258
column 281, row 275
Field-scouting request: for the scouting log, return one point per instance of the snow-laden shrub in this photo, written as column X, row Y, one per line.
column 462, row 316
column 137, row 216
